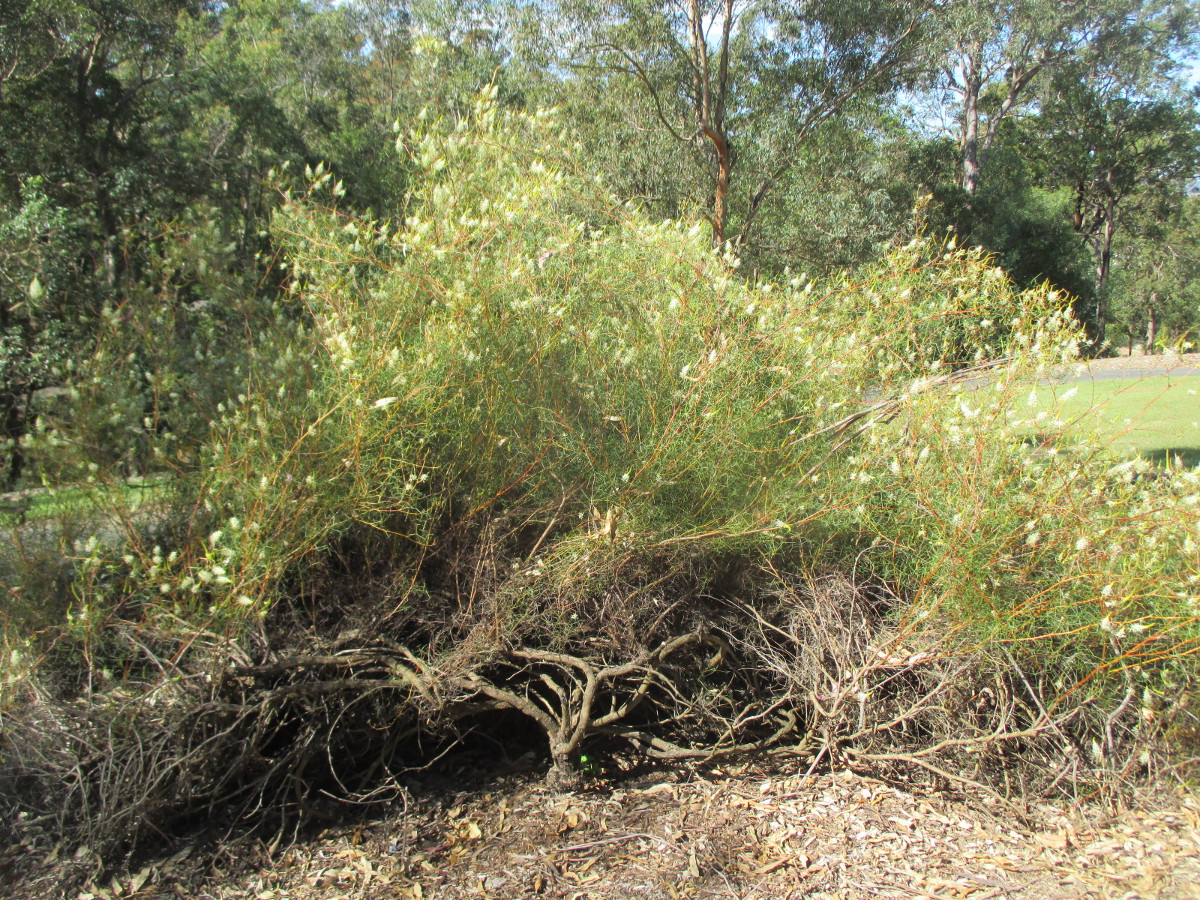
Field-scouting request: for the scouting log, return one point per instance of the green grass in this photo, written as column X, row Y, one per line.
column 1158, row 418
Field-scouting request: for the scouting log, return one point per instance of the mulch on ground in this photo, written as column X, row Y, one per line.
column 754, row 832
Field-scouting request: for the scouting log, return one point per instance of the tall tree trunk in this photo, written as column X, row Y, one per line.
column 721, row 195
column 972, row 86
column 1151, row 321
column 110, row 260
column 1102, row 245
column 12, row 430
column 710, row 108
column 976, row 140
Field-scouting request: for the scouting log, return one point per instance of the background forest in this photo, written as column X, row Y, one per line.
column 663, row 375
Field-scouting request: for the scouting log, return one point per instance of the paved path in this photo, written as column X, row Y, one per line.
column 1144, row 366
column 1097, row 374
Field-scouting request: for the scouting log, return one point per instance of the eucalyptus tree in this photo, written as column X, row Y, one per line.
column 1156, row 287
column 1001, row 53
column 845, row 199
column 743, row 85
column 290, row 81
column 1121, row 156
column 386, row 28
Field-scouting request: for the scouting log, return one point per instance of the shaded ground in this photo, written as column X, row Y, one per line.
column 747, row 832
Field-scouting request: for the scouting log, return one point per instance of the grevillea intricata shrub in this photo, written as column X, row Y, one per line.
column 517, row 343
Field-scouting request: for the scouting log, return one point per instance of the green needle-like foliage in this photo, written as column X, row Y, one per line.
column 519, row 340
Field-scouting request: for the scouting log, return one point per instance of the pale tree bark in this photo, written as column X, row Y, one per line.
column 973, row 144
column 1004, row 46
column 972, row 82
column 1151, row 321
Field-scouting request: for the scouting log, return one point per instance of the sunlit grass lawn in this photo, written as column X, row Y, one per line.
column 1159, row 418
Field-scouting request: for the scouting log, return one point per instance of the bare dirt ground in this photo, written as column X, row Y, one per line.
column 749, row 832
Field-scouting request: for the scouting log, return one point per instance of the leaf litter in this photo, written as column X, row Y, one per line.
column 750, row 832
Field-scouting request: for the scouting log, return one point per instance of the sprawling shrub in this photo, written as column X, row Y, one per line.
column 521, row 341
column 525, row 449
